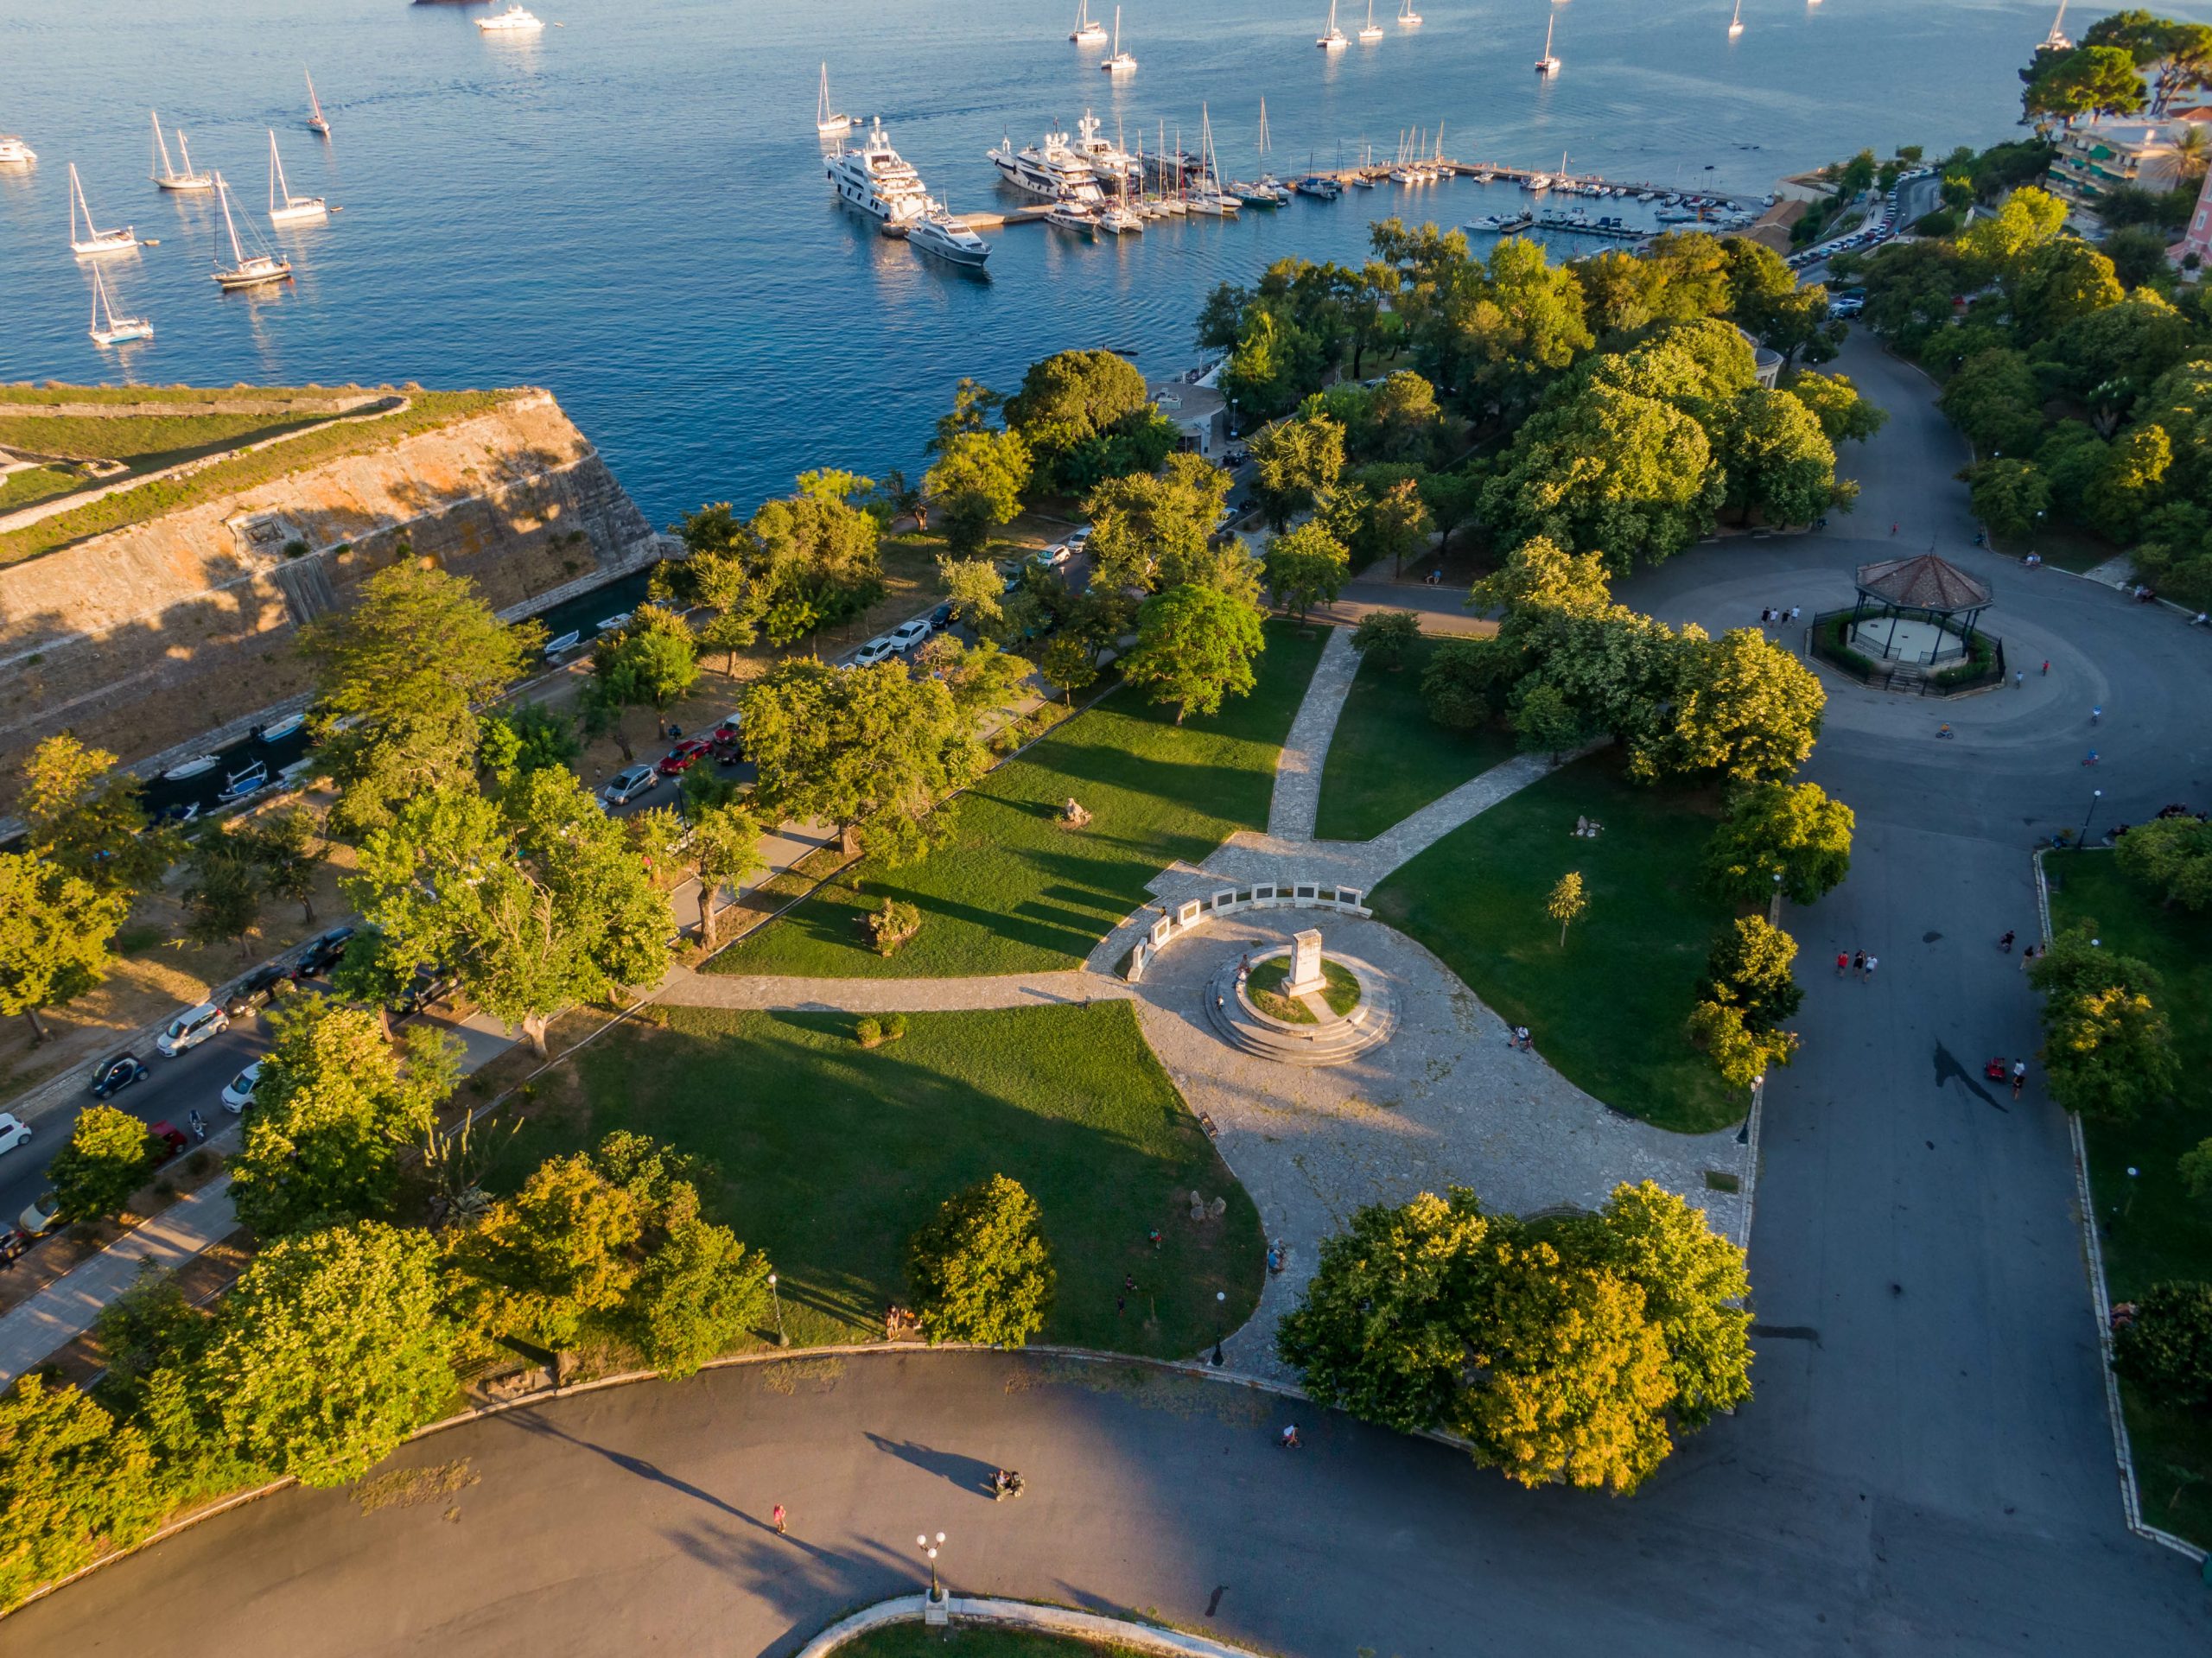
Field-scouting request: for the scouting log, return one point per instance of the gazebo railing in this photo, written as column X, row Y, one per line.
column 1829, row 638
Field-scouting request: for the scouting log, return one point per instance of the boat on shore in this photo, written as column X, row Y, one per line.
column 109, row 329
column 166, row 174
column 93, row 242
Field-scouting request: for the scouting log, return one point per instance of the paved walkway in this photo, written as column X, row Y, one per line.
column 1298, row 770
column 685, row 988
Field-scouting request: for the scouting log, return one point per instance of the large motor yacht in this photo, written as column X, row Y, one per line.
column 1116, row 170
column 14, row 152
column 871, row 176
column 946, row 234
column 1051, row 171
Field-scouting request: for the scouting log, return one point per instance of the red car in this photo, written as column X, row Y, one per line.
column 681, row 758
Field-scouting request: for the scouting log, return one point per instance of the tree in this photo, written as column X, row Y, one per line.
column 2166, row 1348
column 398, row 678
column 331, row 1350
column 870, row 750
column 725, row 846
column 652, row 661
column 1464, row 680
column 108, row 1157
column 2132, row 480
column 1195, row 645
column 1069, row 664
column 84, row 817
column 1305, row 567
column 1386, row 636
column 536, row 900
column 223, row 901
column 2090, row 80
column 2172, row 855
column 1382, row 1328
column 1451, row 498
column 2060, row 282
column 1544, row 718
column 545, row 1263
column 1153, row 532
column 78, row 1484
column 1086, row 416
column 334, row 1108
column 1567, row 903
column 285, row 850
column 976, row 486
column 1748, row 968
column 1742, row 1056
column 1397, row 524
column 1539, row 578
column 974, row 588
column 1276, row 363
column 1779, row 464
column 1995, row 402
column 974, row 405
column 1766, row 301
column 2009, row 495
column 1297, row 461
column 2000, row 245
column 1744, row 707
column 1523, row 323
column 1792, row 831
column 816, row 556
column 528, row 737
column 2108, row 1050
column 981, row 1270
column 699, row 1292
column 56, row 932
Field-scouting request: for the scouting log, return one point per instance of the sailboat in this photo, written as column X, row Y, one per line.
column 2058, row 40
column 168, row 176
column 245, row 270
column 1332, row 38
column 1207, row 196
column 94, row 241
column 1736, row 23
column 1408, row 17
column 1547, row 65
column 1088, row 31
column 316, row 122
column 109, row 329
column 1121, row 63
column 285, row 207
column 1374, row 30
column 827, row 121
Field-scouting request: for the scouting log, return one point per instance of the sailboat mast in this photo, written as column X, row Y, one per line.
column 223, row 196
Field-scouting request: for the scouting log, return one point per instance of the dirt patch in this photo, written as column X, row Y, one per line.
column 816, row 1376
column 408, row 1488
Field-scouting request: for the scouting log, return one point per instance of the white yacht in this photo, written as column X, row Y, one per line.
column 1073, row 216
column 873, row 177
column 92, row 241
column 167, row 174
column 1088, row 31
column 948, row 236
column 1115, row 169
column 1408, row 17
column 514, row 18
column 828, row 121
column 245, row 269
column 1373, row 31
column 1736, row 23
column 285, row 207
column 1332, row 38
column 1052, row 171
column 1121, row 62
column 1121, row 221
column 109, row 329
column 14, row 152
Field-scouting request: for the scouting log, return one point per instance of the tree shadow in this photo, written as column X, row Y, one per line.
column 967, row 1473
column 530, row 1422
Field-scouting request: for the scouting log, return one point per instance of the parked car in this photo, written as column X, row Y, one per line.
column 14, row 1131
column 878, row 649
column 1846, row 307
column 430, row 984
column 40, row 1215
column 113, row 1075
column 682, row 758
column 1080, row 539
column 941, row 618
column 238, row 1093
column 907, row 635
column 263, row 985
column 171, row 1140
column 323, row 952
column 1053, row 557
column 192, row 1027
column 626, row 784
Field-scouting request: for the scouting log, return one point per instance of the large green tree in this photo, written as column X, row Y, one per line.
column 545, row 1263
column 108, row 1157
column 1086, row 417
column 1305, row 567
column 1779, row 464
column 1195, row 646
column 2173, row 856
column 2107, row 1049
column 84, row 816
column 56, row 933
column 981, row 1270
column 77, row 1482
column 1296, row 462
column 1787, row 835
column 652, row 661
column 976, row 486
column 1151, row 530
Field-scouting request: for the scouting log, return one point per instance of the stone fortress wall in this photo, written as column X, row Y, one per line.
column 144, row 636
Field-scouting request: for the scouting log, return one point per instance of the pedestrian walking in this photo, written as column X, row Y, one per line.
column 2005, row 942
column 1842, row 961
column 2019, row 1077
column 1893, row 530
column 2046, row 667
column 1871, row 963
column 1793, row 612
column 2026, row 957
column 1766, row 616
column 777, row 1515
column 1520, row 1038
column 2097, row 715
column 2019, row 679
column 1858, row 962
column 1289, row 1440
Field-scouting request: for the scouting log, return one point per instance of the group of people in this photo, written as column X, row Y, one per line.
column 1774, row 615
column 1857, row 962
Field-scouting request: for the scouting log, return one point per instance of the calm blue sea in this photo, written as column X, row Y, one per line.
column 630, row 208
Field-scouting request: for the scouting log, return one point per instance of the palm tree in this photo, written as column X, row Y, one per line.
column 2192, row 153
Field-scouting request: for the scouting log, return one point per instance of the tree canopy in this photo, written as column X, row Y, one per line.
column 981, row 1270
column 1195, row 646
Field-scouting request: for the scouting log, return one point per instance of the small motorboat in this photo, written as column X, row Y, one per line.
column 276, row 730
column 566, row 642
column 609, row 624
column 198, row 765
column 251, row 780
column 182, row 812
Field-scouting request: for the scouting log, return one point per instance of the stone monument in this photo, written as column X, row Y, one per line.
column 1305, row 963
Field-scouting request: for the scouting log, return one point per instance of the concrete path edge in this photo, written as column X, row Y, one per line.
column 1023, row 1615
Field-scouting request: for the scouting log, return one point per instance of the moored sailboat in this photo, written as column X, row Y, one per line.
column 94, row 241
column 1372, row 31
column 1547, row 65
column 1735, row 20
column 109, row 329
column 1088, row 31
column 829, row 123
column 316, row 122
column 1332, row 38
column 167, row 175
column 245, row 269
column 285, row 207
column 1120, row 62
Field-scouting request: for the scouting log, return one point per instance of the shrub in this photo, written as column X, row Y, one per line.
column 1387, row 635
column 868, row 1032
column 892, row 925
column 2167, row 1350
column 2174, row 856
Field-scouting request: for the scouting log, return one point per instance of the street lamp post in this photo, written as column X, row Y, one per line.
column 1220, row 1327
column 930, row 1547
column 1774, row 910
column 782, row 1340
column 2096, row 795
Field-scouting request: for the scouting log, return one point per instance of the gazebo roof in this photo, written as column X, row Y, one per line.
column 1923, row 583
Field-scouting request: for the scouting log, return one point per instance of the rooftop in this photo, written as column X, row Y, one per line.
column 1923, row 583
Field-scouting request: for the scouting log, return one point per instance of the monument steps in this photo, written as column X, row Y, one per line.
column 1333, row 1042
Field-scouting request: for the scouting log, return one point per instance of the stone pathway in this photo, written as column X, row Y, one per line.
column 1298, row 771
column 1445, row 1102
column 685, row 988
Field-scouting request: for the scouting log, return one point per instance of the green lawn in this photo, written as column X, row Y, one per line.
column 2157, row 1230
column 829, row 1156
column 1388, row 758
column 1608, row 1009
column 146, row 442
column 919, row 1641
column 1014, row 893
column 22, row 488
column 1340, row 990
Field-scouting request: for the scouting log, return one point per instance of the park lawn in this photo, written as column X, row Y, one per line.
column 1608, row 1009
column 917, row 1640
column 34, row 484
column 2157, row 1231
column 829, row 1156
column 1011, row 890
column 1388, row 758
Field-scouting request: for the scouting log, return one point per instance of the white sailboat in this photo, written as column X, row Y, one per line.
column 1121, row 62
column 1207, row 196
column 1373, row 31
column 166, row 174
column 1332, row 38
column 245, row 269
column 316, row 121
column 827, row 120
column 2058, row 40
column 94, row 241
column 1408, row 17
column 1547, row 65
column 285, row 207
column 1736, row 23
column 1088, row 31
column 109, row 329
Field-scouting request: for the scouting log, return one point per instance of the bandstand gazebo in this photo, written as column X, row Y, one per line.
column 1919, row 610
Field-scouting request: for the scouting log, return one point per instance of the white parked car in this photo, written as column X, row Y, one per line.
column 907, row 635
column 14, row 1131
column 1055, row 555
column 39, row 1214
column 238, row 1093
column 626, row 784
column 1081, row 539
column 878, row 649
column 192, row 1027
